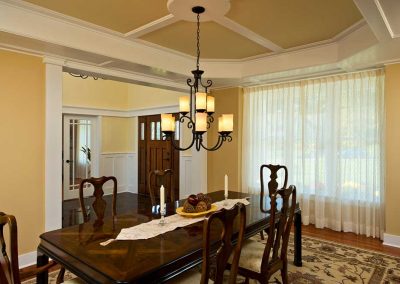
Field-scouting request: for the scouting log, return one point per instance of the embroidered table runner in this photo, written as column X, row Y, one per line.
column 153, row 228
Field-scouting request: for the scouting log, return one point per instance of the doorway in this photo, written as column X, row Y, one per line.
column 79, row 153
column 156, row 153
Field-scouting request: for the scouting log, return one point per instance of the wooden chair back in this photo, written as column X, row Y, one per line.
column 9, row 268
column 160, row 178
column 280, row 224
column 227, row 218
column 272, row 184
column 99, row 204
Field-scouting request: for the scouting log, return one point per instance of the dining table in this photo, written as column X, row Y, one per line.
column 79, row 248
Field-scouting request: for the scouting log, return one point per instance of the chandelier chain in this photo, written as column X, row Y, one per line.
column 198, row 40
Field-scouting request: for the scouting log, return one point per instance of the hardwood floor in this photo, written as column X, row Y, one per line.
column 350, row 239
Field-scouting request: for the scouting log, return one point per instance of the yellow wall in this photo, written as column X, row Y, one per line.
column 118, row 134
column 392, row 104
column 227, row 160
column 145, row 97
column 103, row 94
column 22, row 124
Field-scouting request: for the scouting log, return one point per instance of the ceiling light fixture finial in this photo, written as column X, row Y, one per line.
column 198, row 109
column 198, row 9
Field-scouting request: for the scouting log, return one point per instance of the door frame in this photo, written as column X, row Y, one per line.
column 94, row 151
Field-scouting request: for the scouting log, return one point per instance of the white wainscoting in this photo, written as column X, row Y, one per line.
column 185, row 176
column 124, row 167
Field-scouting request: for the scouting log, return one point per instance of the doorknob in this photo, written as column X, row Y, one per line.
column 68, row 161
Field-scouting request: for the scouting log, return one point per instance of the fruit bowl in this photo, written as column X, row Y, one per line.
column 180, row 211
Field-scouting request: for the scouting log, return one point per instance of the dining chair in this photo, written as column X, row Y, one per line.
column 99, row 204
column 272, row 184
column 260, row 261
column 160, row 177
column 9, row 265
column 215, row 262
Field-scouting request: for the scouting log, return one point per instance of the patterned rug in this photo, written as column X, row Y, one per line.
column 326, row 262
column 329, row 262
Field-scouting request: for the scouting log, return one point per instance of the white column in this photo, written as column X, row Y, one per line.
column 199, row 169
column 53, row 144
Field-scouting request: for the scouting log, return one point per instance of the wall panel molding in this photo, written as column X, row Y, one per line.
column 122, row 166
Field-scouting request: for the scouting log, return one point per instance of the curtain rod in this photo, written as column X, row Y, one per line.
column 314, row 78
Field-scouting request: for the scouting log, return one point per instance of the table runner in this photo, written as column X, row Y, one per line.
column 153, row 228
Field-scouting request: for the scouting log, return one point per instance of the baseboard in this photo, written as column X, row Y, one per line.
column 391, row 240
column 27, row 259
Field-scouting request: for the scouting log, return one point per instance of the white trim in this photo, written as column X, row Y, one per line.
column 27, row 259
column 94, row 111
column 119, row 113
column 152, row 26
column 53, row 147
column 385, row 19
column 154, row 110
column 39, row 10
column 138, row 78
column 391, row 240
column 245, row 32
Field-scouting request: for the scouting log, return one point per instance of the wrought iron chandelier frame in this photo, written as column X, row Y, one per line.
column 194, row 84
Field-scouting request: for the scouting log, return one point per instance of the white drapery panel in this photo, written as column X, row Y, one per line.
column 329, row 133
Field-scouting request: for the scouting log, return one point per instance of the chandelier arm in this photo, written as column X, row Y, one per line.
column 216, row 146
column 189, row 83
column 177, row 147
column 208, row 85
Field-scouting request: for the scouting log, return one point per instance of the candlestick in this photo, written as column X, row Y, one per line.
column 162, row 205
column 226, row 188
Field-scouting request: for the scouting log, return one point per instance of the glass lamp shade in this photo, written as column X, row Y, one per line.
column 184, row 104
column 210, row 104
column 201, row 101
column 225, row 123
column 167, row 123
column 201, row 122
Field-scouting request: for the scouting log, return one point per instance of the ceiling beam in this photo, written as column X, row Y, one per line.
column 371, row 14
column 245, row 32
column 152, row 26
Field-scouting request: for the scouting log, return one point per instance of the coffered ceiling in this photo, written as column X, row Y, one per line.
column 285, row 23
column 243, row 42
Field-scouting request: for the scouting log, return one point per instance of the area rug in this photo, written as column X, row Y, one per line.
column 326, row 262
column 329, row 262
column 52, row 277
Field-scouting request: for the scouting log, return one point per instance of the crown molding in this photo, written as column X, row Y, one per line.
column 82, row 110
column 54, row 61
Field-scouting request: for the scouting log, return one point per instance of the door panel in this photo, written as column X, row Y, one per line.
column 78, row 152
column 155, row 153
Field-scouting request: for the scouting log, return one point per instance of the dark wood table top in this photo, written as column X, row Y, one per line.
column 140, row 261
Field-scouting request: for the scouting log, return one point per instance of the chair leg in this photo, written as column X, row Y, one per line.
column 284, row 273
column 60, row 277
column 262, row 235
column 246, row 281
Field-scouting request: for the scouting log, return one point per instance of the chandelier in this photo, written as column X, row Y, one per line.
column 198, row 109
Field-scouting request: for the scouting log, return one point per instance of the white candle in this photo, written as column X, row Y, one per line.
column 162, row 198
column 226, row 185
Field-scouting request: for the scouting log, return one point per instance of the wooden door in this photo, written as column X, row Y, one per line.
column 155, row 153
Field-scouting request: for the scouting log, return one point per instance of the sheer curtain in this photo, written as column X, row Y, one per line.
column 329, row 133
